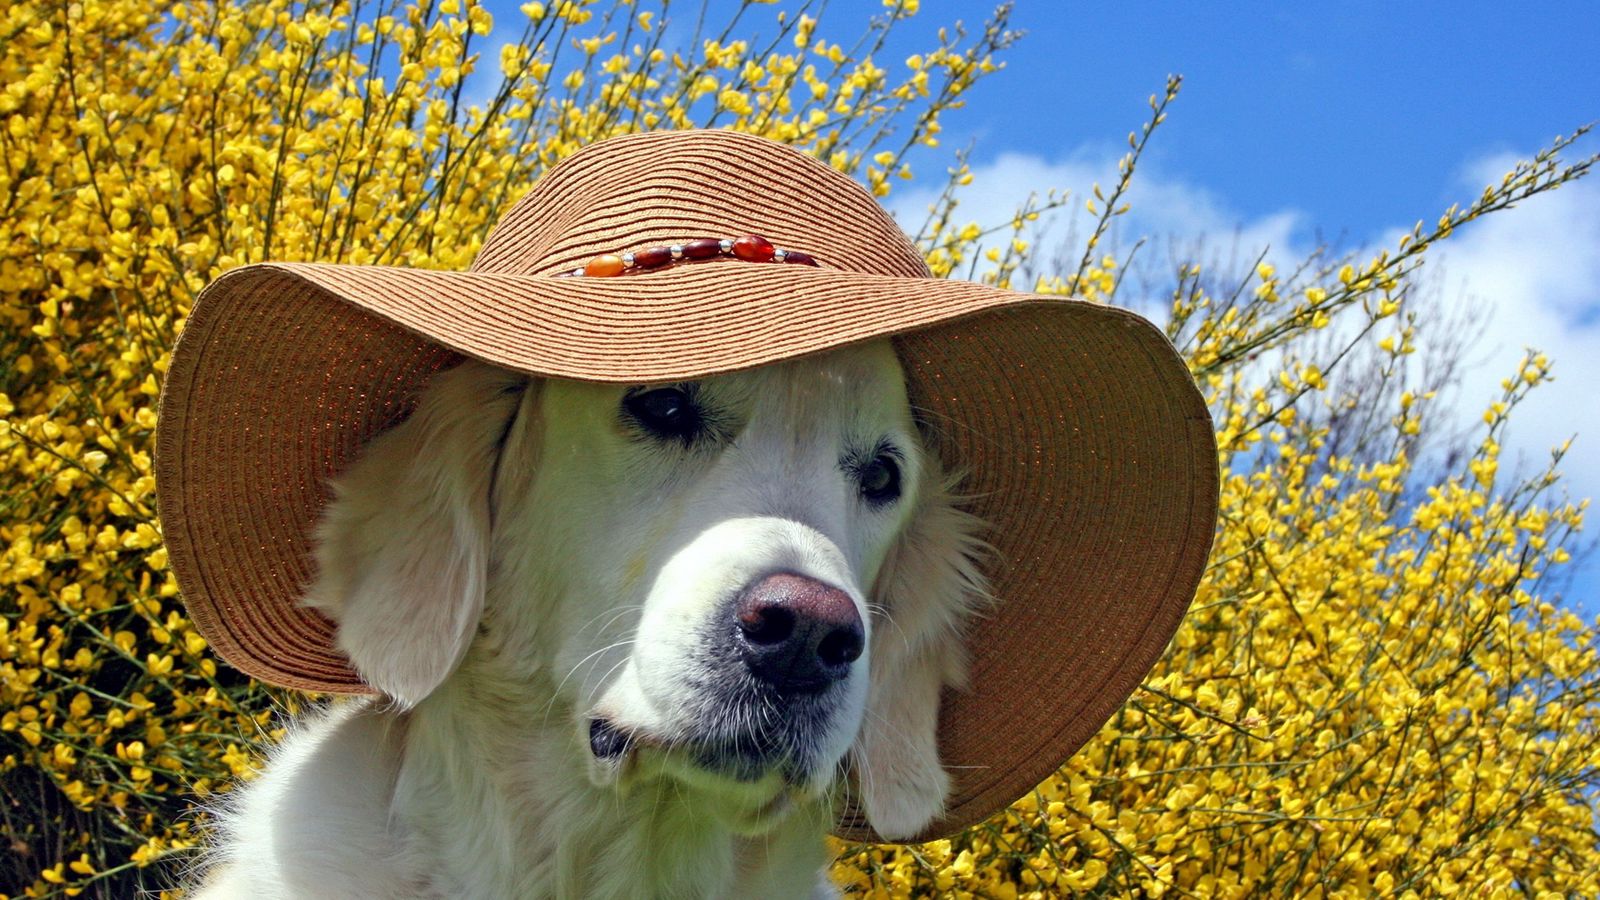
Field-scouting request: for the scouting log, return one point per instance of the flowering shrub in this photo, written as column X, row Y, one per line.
column 1369, row 695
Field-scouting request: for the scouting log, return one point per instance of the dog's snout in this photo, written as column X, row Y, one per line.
column 797, row 633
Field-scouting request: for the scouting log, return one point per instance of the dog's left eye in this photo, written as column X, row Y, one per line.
column 666, row 413
column 880, row 479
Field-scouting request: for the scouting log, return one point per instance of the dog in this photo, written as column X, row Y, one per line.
column 627, row 641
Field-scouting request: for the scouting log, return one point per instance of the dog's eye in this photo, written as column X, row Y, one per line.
column 666, row 413
column 880, row 479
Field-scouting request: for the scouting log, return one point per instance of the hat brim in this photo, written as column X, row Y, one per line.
column 1090, row 451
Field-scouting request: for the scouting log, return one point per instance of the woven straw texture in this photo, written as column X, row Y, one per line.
column 1090, row 450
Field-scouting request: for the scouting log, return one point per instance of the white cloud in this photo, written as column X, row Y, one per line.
column 1534, row 270
column 1535, row 273
column 1171, row 212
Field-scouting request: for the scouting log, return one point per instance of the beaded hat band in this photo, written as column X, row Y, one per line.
column 1089, row 449
column 750, row 248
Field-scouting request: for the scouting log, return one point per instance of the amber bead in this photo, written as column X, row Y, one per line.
column 753, row 248
column 603, row 266
column 653, row 258
column 795, row 256
column 704, row 248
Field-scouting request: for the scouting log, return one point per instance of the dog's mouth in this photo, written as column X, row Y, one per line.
column 748, row 784
column 608, row 742
column 745, row 755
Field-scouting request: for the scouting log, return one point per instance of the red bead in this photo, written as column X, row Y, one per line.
column 795, row 256
column 753, row 248
column 653, row 258
column 704, row 248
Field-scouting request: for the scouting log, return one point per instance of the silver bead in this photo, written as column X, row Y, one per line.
column 780, row 255
column 677, row 251
column 627, row 260
column 726, row 245
column 577, row 272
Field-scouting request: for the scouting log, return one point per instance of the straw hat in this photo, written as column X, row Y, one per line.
column 1090, row 451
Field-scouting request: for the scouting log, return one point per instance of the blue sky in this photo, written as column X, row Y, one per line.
column 1346, row 122
column 1359, row 114
column 1299, row 124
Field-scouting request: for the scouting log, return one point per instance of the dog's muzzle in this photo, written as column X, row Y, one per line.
column 771, row 683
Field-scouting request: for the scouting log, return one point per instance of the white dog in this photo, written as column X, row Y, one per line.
column 630, row 640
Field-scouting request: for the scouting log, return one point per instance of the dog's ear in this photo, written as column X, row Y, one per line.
column 403, row 549
column 929, row 586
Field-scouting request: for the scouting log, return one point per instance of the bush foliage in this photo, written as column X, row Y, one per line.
column 1369, row 696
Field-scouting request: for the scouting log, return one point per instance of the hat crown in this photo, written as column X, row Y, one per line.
column 654, row 189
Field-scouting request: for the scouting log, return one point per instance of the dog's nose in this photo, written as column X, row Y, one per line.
column 798, row 634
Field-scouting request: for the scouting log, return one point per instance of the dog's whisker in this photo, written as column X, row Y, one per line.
column 556, row 694
column 863, row 772
column 893, row 729
column 842, row 768
column 622, row 643
column 924, row 413
column 882, row 611
column 615, row 614
column 589, row 697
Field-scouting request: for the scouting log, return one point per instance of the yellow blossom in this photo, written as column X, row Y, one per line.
column 1371, row 675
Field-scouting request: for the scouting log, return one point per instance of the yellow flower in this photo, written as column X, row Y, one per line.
column 1371, row 648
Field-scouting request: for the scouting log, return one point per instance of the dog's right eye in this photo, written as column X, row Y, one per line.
column 668, row 413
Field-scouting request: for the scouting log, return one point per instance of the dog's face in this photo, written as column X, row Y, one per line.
column 714, row 582
column 734, row 527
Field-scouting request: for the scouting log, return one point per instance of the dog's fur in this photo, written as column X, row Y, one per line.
column 517, row 561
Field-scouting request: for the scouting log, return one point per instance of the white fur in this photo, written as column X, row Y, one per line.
column 514, row 561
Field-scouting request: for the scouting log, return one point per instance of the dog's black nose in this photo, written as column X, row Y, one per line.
column 798, row 634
